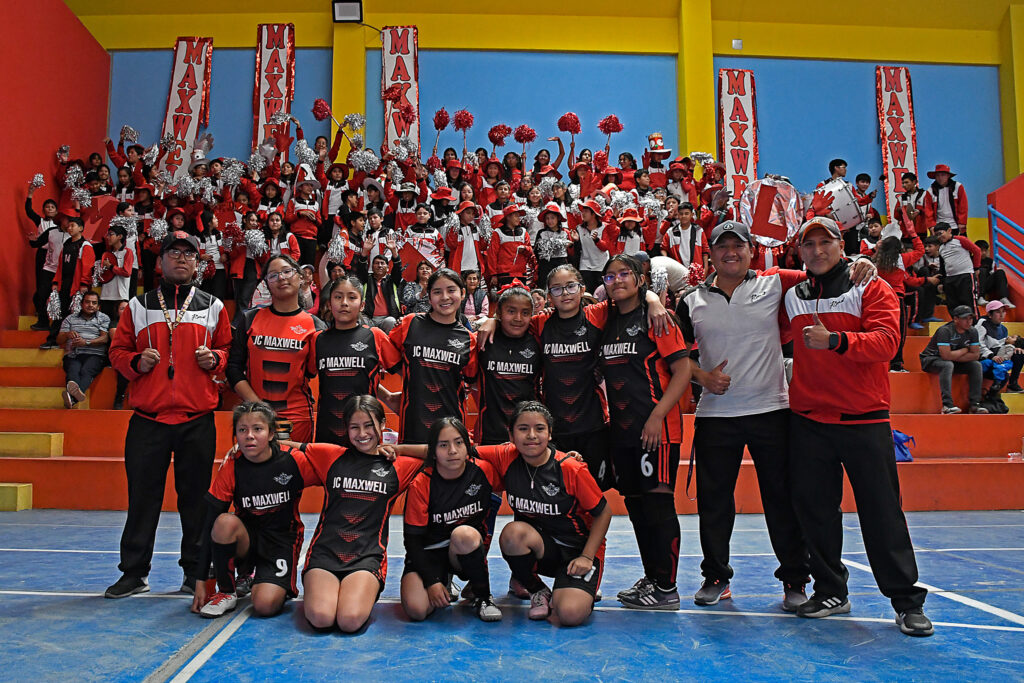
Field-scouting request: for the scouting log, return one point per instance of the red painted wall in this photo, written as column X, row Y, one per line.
column 57, row 89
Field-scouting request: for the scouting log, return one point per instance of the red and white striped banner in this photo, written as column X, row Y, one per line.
column 737, row 128
column 275, row 79
column 897, row 129
column 401, row 67
column 188, row 101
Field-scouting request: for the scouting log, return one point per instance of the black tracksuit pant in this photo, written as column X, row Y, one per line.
column 719, row 443
column 818, row 454
column 147, row 455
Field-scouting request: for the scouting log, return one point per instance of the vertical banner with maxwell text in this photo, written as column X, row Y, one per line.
column 188, row 101
column 275, row 80
column 737, row 128
column 897, row 129
column 400, row 58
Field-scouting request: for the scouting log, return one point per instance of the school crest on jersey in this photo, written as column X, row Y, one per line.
column 283, row 478
column 582, row 331
column 473, row 489
column 360, row 346
column 550, row 489
column 633, row 330
column 298, row 329
column 527, row 353
column 456, row 344
column 380, row 471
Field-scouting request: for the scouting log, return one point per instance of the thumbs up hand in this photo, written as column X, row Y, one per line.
column 816, row 335
column 716, row 381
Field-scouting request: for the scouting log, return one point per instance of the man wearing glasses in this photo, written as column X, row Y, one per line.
column 169, row 344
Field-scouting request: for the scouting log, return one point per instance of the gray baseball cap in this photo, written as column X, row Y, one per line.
column 730, row 228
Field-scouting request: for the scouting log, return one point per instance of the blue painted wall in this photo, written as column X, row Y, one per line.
column 812, row 111
column 536, row 88
column 140, row 78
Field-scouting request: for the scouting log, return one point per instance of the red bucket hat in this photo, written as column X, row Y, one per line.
column 940, row 168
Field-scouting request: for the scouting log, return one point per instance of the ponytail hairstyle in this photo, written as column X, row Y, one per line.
column 325, row 297
column 363, row 404
column 516, row 288
column 564, row 268
column 531, row 407
column 433, row 436
column 887, row 254
column 257, row 408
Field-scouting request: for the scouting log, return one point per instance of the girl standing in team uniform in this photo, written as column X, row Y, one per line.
column 346, row 565
column 263, row 479
column 446, row 524
column 645, row 376
column 348, row 356
column 270, row 352
column 437, row 357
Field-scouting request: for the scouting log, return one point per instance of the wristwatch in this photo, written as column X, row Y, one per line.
column 833, row 341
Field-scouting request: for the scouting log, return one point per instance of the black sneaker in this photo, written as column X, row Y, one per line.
column 711, row 591
column 822, row 606
column 46, row 346
column 644, row 584
column 913, row 622
column 127, row 585
column 118, row 403
column 188, row 585
column 652, row 598
column 793, row 595
column 40, row 327
column 243, row 586
column 1014, row 389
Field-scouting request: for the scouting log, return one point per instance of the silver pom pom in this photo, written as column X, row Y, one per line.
column 149, row 158
column 659, row 280
column 364, row 160
column 158, row 229
column 129, row 134
column 357, row 141
column 486, row 229
column 394, row 172
column 205, row 191
column 410, row 145
column 197, row 279
column 531, row 213
column 37, row 181
column 232, row 172
column 451, row 222
column 702, row 158
column 257, row 162
column 400, row 152
column 98, row 268
column 652, row 207
column 546, row 185
column 354, row 121
column 304, row 154
column 470, row 158
column 256, row 242
column 336, row 250
column 622, row 200
column 186, row 187
column 168, row 142
column 82, row 196
column 440, row 178
column 574, row 191
column 280, row 117
column 128, row 223
column 53, row 307
column 63, row 150
column 601, row 201
column 74, row 177
column 76, row 304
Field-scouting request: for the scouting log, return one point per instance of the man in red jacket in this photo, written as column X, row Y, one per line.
column 169, row 343
column 844, row 336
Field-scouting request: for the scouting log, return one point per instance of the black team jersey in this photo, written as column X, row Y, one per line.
column 636, row 371
column 509, row 373
column 348, row 363
column 271, row 350
column 352, row 532
column 560, row 498
column 435, row 359
column 571, row 381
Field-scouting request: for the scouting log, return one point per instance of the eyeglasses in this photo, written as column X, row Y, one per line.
column 570, row 288
column 285, row 273
column 180, row 254
column 612, row 277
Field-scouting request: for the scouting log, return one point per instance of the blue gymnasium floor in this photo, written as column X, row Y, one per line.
column 55, row 625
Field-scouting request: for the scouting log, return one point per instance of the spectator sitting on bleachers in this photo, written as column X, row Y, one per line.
column 954, row 349
column 85, row 336
column 992, row 285
column 1002, row 354
column 927, row 267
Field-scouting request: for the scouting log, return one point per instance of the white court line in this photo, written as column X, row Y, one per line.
column 74, row 594
column 955, row 597
column 73, row 550
column 211, row 648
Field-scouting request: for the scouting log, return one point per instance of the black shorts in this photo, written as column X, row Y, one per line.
column 322, row 559
column 595, row 447
column 440, row 562
column 638, row 471
column 275, row 558
column 555, row 563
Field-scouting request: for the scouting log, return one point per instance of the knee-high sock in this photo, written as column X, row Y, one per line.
column 224, row 566
column 474, row 566
column 663, row 525
column 642, row 531
column 524, row 570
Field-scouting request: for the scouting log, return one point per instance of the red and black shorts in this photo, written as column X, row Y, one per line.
column 275, row 558
column 555, row 563
column 638, row 470
column 440, row 565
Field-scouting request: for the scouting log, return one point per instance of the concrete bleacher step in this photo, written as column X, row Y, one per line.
column 31, row 377
column 1011, row 328
column 35, row 398
column 25, row 322
column 15, row 496
column 31, row 444
column 33, row 357
column 21, row 339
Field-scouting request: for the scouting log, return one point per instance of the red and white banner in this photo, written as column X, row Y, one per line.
column 275, row 80
column 897, row 129
column 401, row 67
column 737, row 128
column 188, row 101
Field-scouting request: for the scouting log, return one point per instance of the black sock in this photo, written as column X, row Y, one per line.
column 224, row 566
column 522, row 567
column 474, row 566
column 663, row 526
column 634, row 506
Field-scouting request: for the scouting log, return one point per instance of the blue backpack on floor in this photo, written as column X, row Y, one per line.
column 902, row 443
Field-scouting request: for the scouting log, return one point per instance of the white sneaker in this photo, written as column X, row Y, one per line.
column 76, row 391
column 219, row 605
column 540, row 604
column 1006, row 302
column 982, row 301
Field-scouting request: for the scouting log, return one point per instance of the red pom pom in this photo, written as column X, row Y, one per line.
column 524, row 135
column 434, row 164
column 600, row 160
column 407, row 112
column 696, row 275
column 232, row 231
column 498, row 133
column 463, row 120
column 392, row 94
column 321, row 110
column 441, row 119
column 569, row 123
column 610, row 124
